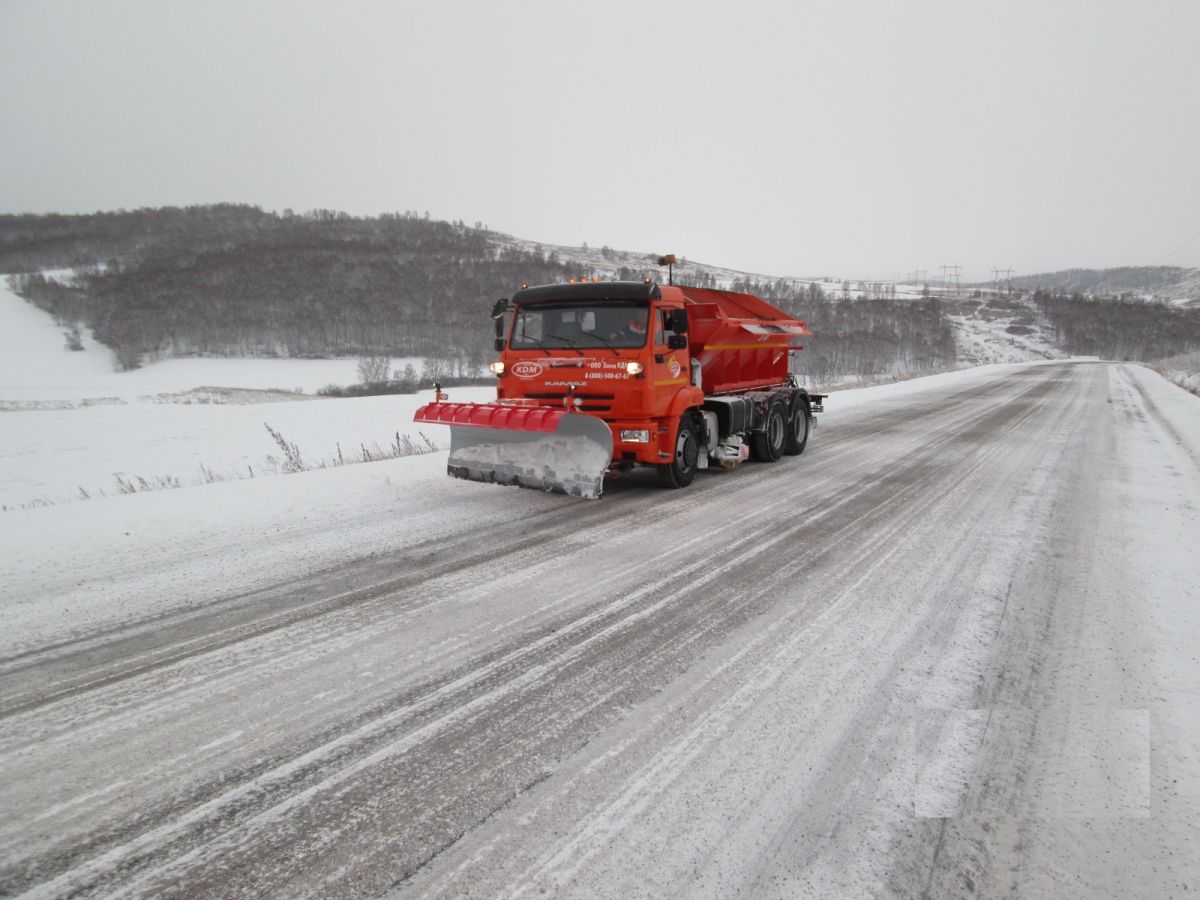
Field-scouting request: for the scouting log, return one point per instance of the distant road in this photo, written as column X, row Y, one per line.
column 951, row 649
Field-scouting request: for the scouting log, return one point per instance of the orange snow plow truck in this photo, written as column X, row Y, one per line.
column 597, row 377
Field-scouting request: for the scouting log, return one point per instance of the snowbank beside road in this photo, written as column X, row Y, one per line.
column 75, row 568
column 1183, row 370
column 56, row 456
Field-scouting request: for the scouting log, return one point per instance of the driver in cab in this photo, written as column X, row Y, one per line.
column 631, row 332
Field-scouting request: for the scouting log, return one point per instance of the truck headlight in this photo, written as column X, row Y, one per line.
column 634, row 368
column 635, row 435
column 497, row 366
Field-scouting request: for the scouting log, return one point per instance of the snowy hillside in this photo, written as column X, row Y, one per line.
column 1185, row 292
column 986, row 331
column 1170, row 284
column 608, row 263
column 37, row 371
column 1001, row 330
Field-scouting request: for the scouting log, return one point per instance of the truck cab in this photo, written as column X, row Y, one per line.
column 615, row 350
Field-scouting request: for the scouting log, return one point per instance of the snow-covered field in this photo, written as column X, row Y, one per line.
column 72, row 428
column 64, row 455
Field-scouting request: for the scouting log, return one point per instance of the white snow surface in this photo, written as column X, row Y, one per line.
column 70, row 426
column 573, row 464
column 720, row 780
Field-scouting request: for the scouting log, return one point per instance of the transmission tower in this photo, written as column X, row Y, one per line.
column 950, row 275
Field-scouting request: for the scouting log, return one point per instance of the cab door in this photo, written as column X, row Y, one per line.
column 669, row 368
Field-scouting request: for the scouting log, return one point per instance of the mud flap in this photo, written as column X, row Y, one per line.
column 544, row 449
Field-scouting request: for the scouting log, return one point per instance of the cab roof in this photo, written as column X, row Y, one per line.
column 594, row 291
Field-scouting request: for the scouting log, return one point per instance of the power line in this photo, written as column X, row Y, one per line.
column 1177, row 249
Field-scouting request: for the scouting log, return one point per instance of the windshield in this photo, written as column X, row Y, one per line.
column 579, row 325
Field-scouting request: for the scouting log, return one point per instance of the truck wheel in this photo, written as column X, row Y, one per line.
column 798, row 429
column 768, row 443
column 679, row 472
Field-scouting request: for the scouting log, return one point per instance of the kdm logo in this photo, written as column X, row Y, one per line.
column 527, row 369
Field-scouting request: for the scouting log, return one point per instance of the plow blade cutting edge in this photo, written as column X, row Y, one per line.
column 534, row 447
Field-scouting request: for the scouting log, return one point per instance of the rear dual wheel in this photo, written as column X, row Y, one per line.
column 768, row 444
column 799, row 428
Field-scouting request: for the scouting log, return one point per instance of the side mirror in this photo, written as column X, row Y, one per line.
column 676, row 341
column 498, row 317
column 678, row 322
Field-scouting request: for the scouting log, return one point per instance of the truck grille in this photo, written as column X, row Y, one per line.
column 589, row 402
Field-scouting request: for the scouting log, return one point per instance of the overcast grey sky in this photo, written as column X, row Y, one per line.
column 850, row 139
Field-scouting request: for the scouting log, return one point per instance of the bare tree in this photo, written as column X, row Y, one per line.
column 374, row 369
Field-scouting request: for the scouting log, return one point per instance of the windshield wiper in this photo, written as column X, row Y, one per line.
column 607, row 343
column 567, row 341
column 570, row 343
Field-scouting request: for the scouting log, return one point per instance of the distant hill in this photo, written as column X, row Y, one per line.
column 1170, row 283
column 236, row 281
column 233, row 280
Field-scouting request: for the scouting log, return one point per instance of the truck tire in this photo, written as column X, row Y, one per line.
column 682, row 469
column 799, row 428
column 768, row 444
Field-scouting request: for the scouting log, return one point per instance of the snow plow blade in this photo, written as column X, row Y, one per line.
column 535, row 447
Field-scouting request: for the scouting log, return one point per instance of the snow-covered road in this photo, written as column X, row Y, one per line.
column 951, row 649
